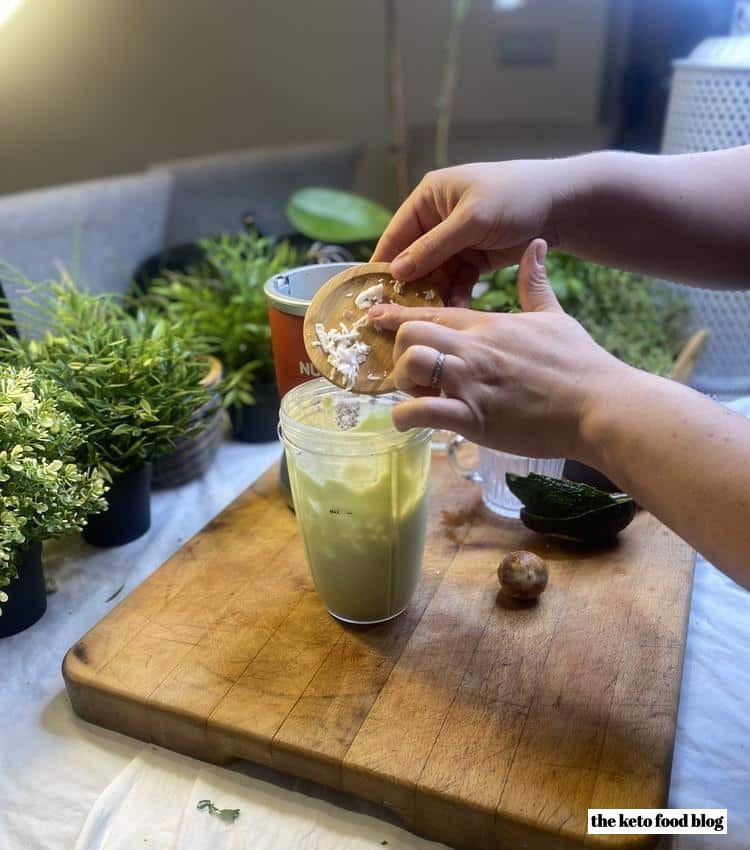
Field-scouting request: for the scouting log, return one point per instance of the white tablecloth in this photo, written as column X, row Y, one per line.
column 65, row 784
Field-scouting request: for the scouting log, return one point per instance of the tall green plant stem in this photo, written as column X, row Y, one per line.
column 460, row 9
column 399, row 150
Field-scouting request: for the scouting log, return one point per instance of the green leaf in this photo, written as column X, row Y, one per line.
column 495, row 300
column 559, row 287
column 335, row 216
column 115, row 594
column 228, row 815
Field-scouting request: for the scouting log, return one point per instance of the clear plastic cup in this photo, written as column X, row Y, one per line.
column 490, row 471
column 360, row 490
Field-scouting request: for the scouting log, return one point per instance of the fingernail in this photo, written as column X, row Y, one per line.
column 384, row 317
column 376, row 316
column 403, row 266
column 540, row 252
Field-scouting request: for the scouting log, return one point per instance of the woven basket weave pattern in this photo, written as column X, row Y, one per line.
column 709, row 109
column 193, row 456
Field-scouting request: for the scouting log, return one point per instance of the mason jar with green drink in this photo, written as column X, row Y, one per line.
column 360, row 490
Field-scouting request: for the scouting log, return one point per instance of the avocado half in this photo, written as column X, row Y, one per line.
column 600, row 525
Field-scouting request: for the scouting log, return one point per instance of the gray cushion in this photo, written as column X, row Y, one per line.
column 111, row 225
column 212, row 194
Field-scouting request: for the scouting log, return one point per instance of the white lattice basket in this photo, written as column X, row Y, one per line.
column 709, row 109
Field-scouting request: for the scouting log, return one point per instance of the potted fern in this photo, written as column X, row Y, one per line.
column 221, row 300
column 46, row 492
column 131, row 382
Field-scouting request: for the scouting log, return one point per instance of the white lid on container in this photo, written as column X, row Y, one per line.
column 729, row 52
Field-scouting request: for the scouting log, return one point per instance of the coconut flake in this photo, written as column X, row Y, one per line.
column 347, row 415
column 346, row 351
column 369, row 297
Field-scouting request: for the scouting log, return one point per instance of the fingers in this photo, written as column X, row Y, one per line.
column 390, row 317
column 447, row 340
column 534, row 291
column 446, row 239
column 414, row 371
column 462, row 275
column 450, row 414
column 455, row 278
column 402, row 230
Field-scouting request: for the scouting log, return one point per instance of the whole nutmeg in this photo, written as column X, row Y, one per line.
column 523, row 575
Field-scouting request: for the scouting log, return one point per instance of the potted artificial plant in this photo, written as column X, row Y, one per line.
column 132, row 383
column 45, row 492
column 221, row 300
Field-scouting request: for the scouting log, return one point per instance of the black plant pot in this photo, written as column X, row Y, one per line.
column 27, row 597
column 257, row 423
column 128, row 514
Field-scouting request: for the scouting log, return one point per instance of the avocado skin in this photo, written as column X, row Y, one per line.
column 598, row 526
column 555, row 497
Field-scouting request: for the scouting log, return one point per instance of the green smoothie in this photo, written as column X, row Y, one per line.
column 363, row 518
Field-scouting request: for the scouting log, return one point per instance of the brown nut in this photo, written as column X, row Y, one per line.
column 523, row 575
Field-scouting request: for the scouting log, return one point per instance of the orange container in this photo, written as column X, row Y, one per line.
column 289, row 295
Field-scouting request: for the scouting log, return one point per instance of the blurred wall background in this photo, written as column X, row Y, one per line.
column 92, row 88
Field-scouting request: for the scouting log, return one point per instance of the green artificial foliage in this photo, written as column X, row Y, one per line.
column 131, row 382
column 227, row 815
column 335, row 216
column 44, row 491
column 629, row 315
column 221, row 303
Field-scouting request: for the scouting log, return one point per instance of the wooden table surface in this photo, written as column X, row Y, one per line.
column 481, row 725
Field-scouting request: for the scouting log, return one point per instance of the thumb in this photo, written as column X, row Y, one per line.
column 534, row 291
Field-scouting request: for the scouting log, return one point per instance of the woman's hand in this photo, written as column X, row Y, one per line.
column 460, row 222
column 522, row 382
column 535, row 383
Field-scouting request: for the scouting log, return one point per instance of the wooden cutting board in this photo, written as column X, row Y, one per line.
column 482, row 726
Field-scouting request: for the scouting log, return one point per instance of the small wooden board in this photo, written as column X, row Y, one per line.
column 334, row 303
column 482, row 726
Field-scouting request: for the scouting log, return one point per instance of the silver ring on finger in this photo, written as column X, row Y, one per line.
column 437, row 372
